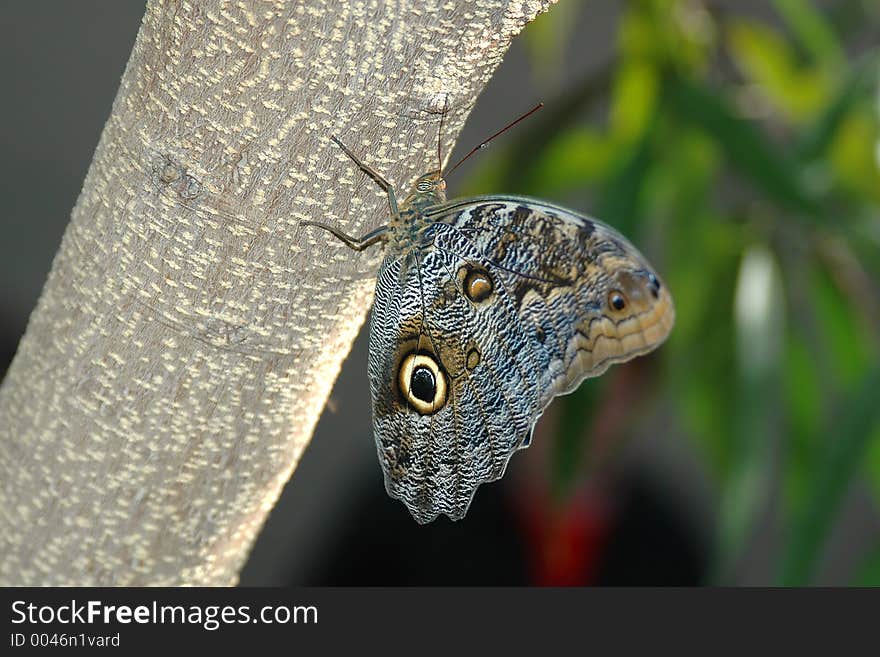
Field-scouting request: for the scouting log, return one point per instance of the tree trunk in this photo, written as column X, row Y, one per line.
column 190, row 330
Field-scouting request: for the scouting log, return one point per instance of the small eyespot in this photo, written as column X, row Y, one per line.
column 422, row 383
column 477, row 285
column 655, row 285
column 473, row 359
column 616, row 300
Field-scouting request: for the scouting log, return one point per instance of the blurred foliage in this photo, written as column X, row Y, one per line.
column 740, row 152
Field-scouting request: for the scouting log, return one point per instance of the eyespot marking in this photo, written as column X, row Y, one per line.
column 654, row 283
column 422, row 383
column 473, row 359
column 478, row 285
column 616, row 300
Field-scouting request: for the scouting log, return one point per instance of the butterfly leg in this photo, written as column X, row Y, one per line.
column 372, row 173
column 354, row 243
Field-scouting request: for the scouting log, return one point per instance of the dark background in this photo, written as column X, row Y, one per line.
column 646, row 518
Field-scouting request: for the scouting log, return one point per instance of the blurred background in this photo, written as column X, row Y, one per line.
column 737, row 144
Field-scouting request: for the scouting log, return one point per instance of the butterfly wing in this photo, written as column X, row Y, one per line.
column 501, row 305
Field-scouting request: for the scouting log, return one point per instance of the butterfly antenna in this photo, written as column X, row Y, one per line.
column 485, row 142
column 440, row 134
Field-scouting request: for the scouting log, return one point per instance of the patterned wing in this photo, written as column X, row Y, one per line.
column 583, row 292
column 502, row 305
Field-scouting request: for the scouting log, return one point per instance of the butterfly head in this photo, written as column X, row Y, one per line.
column 428, row 190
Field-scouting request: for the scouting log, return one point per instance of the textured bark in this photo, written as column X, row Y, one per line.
column 190, row 330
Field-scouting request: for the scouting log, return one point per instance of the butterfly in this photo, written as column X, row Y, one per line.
column 485, row 309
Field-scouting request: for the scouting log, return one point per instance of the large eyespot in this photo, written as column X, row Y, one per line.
column 616, row 300
column 477, row 285
column 422, row 383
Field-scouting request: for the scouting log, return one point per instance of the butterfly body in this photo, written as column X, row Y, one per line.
column 485, row 310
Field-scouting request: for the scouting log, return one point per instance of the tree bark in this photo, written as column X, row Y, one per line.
column 190, row 330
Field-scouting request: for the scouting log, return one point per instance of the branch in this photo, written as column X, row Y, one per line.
column 190, row 331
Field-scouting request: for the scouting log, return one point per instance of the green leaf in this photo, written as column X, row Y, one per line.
column 856, row 89
column 749, row 151
column 572, row 159
column 759, row 329
column 845, row 350
column 868, row 573
column 698, row 252
column 634, row 99
column 873, row 463
column 812, row 31
column 619, row 202
column 768, row 59
column 847, row 442
column 805, row 400
column 853, row 154
column 570, row 439
column 527, row 153
column 676, row 34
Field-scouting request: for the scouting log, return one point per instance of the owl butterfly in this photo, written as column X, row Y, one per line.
column 485, row 309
